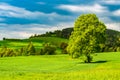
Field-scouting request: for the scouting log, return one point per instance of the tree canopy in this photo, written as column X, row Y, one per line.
column 87, row 37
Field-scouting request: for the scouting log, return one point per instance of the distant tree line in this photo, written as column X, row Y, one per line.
column 11, row 39
column 64, row 33
column 112, row 41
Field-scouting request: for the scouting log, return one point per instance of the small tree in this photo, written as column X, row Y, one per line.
column 4, row 38
column 30, row 50
column 48, row 49
column 63, row 46
column 87, row 38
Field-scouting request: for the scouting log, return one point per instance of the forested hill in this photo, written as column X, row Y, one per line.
column 65, row 33
column 113, row 40
column 113, row 33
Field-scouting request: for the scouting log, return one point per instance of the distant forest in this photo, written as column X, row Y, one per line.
column 64, row 33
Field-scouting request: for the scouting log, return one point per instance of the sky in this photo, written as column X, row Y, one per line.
column 23, row 18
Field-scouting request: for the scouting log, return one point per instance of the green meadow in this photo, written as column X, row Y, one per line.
column 105, row 66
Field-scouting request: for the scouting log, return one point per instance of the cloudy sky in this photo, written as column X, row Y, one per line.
column 22, row 18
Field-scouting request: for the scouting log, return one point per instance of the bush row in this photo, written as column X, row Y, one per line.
column 47, row 49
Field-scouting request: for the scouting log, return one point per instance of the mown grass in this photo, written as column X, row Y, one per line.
column 105, row 66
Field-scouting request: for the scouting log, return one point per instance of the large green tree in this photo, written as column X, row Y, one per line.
column 87, row 37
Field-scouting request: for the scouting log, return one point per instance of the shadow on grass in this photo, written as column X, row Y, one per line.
column 99, row 62
column 93, row 62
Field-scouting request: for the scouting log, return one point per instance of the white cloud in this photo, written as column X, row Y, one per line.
column 13, row 11
column 26, row 30
column 96, row 8
column 116, row 13
column 113, row 26
column 17, row 12
column 7, row 10
column 106, row 19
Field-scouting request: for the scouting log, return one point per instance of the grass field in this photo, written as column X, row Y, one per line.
column 105, row 66
column 19, row 44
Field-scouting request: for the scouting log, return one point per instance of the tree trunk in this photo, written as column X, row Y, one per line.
column 89, row 59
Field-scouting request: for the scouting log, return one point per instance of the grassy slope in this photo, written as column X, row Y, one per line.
column 19, row 44
column 60, row 67
column 36, row 41
column 54, row 40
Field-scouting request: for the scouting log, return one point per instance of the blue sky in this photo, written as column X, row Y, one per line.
column 22, row 18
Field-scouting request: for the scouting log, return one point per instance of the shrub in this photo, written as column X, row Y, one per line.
column 30, row 49
column 48, row 49
column 6, row 52
column 17, row 52
column 63, row 46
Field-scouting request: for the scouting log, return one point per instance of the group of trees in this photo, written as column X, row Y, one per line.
column 24, row 51
column 112, row 41
column 47, row 49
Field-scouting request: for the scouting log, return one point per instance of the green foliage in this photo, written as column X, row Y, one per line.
column 63, row 46
column 27, row 50
column 65, row 33
column 23, row 51
column 118, row 49
column 30, row 49
column 6, row 52
column 48, row 49
column 32, row 46
column 87, row 37
column 112, row 41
